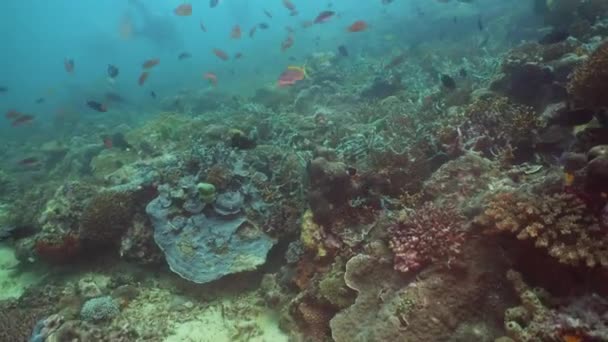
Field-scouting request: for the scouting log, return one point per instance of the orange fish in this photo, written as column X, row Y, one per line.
column 203, row 27
column 143, row 77
column 68, row 64
column 22, row 120
column 211, row 77
column 236, row 32
column 150, row 63
column 12, row 114
column 287, row 43
column 125, row 28
column 221, row 54
column 357, row 26
column 183, row 10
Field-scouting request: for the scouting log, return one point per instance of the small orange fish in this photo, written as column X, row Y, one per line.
column 211, row 77
column 183, row 10
column 143, row 77
column 572, row 338
column 236, row 32
column 287, row 43
column 221, row 54
column 357, row 26
column 68, row 64
column 150, row 63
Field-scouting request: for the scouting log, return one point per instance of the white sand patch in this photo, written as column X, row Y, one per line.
column 13, row 282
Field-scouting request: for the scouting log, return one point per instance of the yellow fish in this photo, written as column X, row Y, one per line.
column 301, row 69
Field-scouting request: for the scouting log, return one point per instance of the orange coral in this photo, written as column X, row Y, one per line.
column 590, row 80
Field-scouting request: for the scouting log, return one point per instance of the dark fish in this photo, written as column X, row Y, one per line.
column 555, row 36
column 268, row 14
column 386, row 2
column 343, row 51
column 40, row 100
column 153, row 94
column 462, row 72
column 3, row 89
column 30, row 161
column 68, row 64
column 324, row 17
column 448, row 82
column 213, row 3
column 292, row 58
column 22, row 120
column 97, row 106
column 184, row 55
column 112, row 71
column 479, row 23
column 116, row 140
column 263, row 26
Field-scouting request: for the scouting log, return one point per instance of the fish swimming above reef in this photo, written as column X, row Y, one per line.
column 68, row 64
column 291, row 76
column 150, row 63
column 447, row 82
column 357, row 26
column 22, row 119
column 553, row 37
column 112, row 71
column 221, row 54
column 343, row 51
column 183, row 10
column 324, row 17
column 97, row 106
column 184, row 55
column 3, row 89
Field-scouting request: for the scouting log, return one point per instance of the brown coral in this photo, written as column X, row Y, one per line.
column 590, row 80
column 559, row 223
column 107, row 217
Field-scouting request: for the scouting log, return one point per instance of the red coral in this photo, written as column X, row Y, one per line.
column 427, row 235
column 58, row 250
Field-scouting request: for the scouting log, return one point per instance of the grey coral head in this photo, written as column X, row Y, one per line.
column 229, row 203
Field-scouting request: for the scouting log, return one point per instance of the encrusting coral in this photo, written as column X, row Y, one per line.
column 559, row 223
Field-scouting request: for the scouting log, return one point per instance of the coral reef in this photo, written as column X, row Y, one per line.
column 99, row 309
column 560, row 223
column 591, row 78
column 106, row 217
column 204, row 247
column 427, row 235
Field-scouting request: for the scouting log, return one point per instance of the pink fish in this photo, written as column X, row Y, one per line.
column 291, row 76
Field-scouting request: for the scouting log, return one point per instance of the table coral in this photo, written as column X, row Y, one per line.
column 425, row 236
column 559, row 223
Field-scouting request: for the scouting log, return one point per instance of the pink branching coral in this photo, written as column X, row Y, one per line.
column 427, row 235
column 559, row 223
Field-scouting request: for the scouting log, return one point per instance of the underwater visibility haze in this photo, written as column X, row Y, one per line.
column 290, row 170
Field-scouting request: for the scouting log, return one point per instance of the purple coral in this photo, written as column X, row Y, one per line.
column 426, row 235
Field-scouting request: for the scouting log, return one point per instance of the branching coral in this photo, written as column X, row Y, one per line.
column 559, row 223
column 425, row 236
column 590, row 80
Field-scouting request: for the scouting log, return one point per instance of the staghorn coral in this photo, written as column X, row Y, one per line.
column 590, row 80
column 425, row 236
column 559, row 223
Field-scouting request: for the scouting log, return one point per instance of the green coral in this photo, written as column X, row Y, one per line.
column 333, row 288
column 207, row 192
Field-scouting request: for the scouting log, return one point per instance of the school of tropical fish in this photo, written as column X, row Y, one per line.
column 315, row 171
